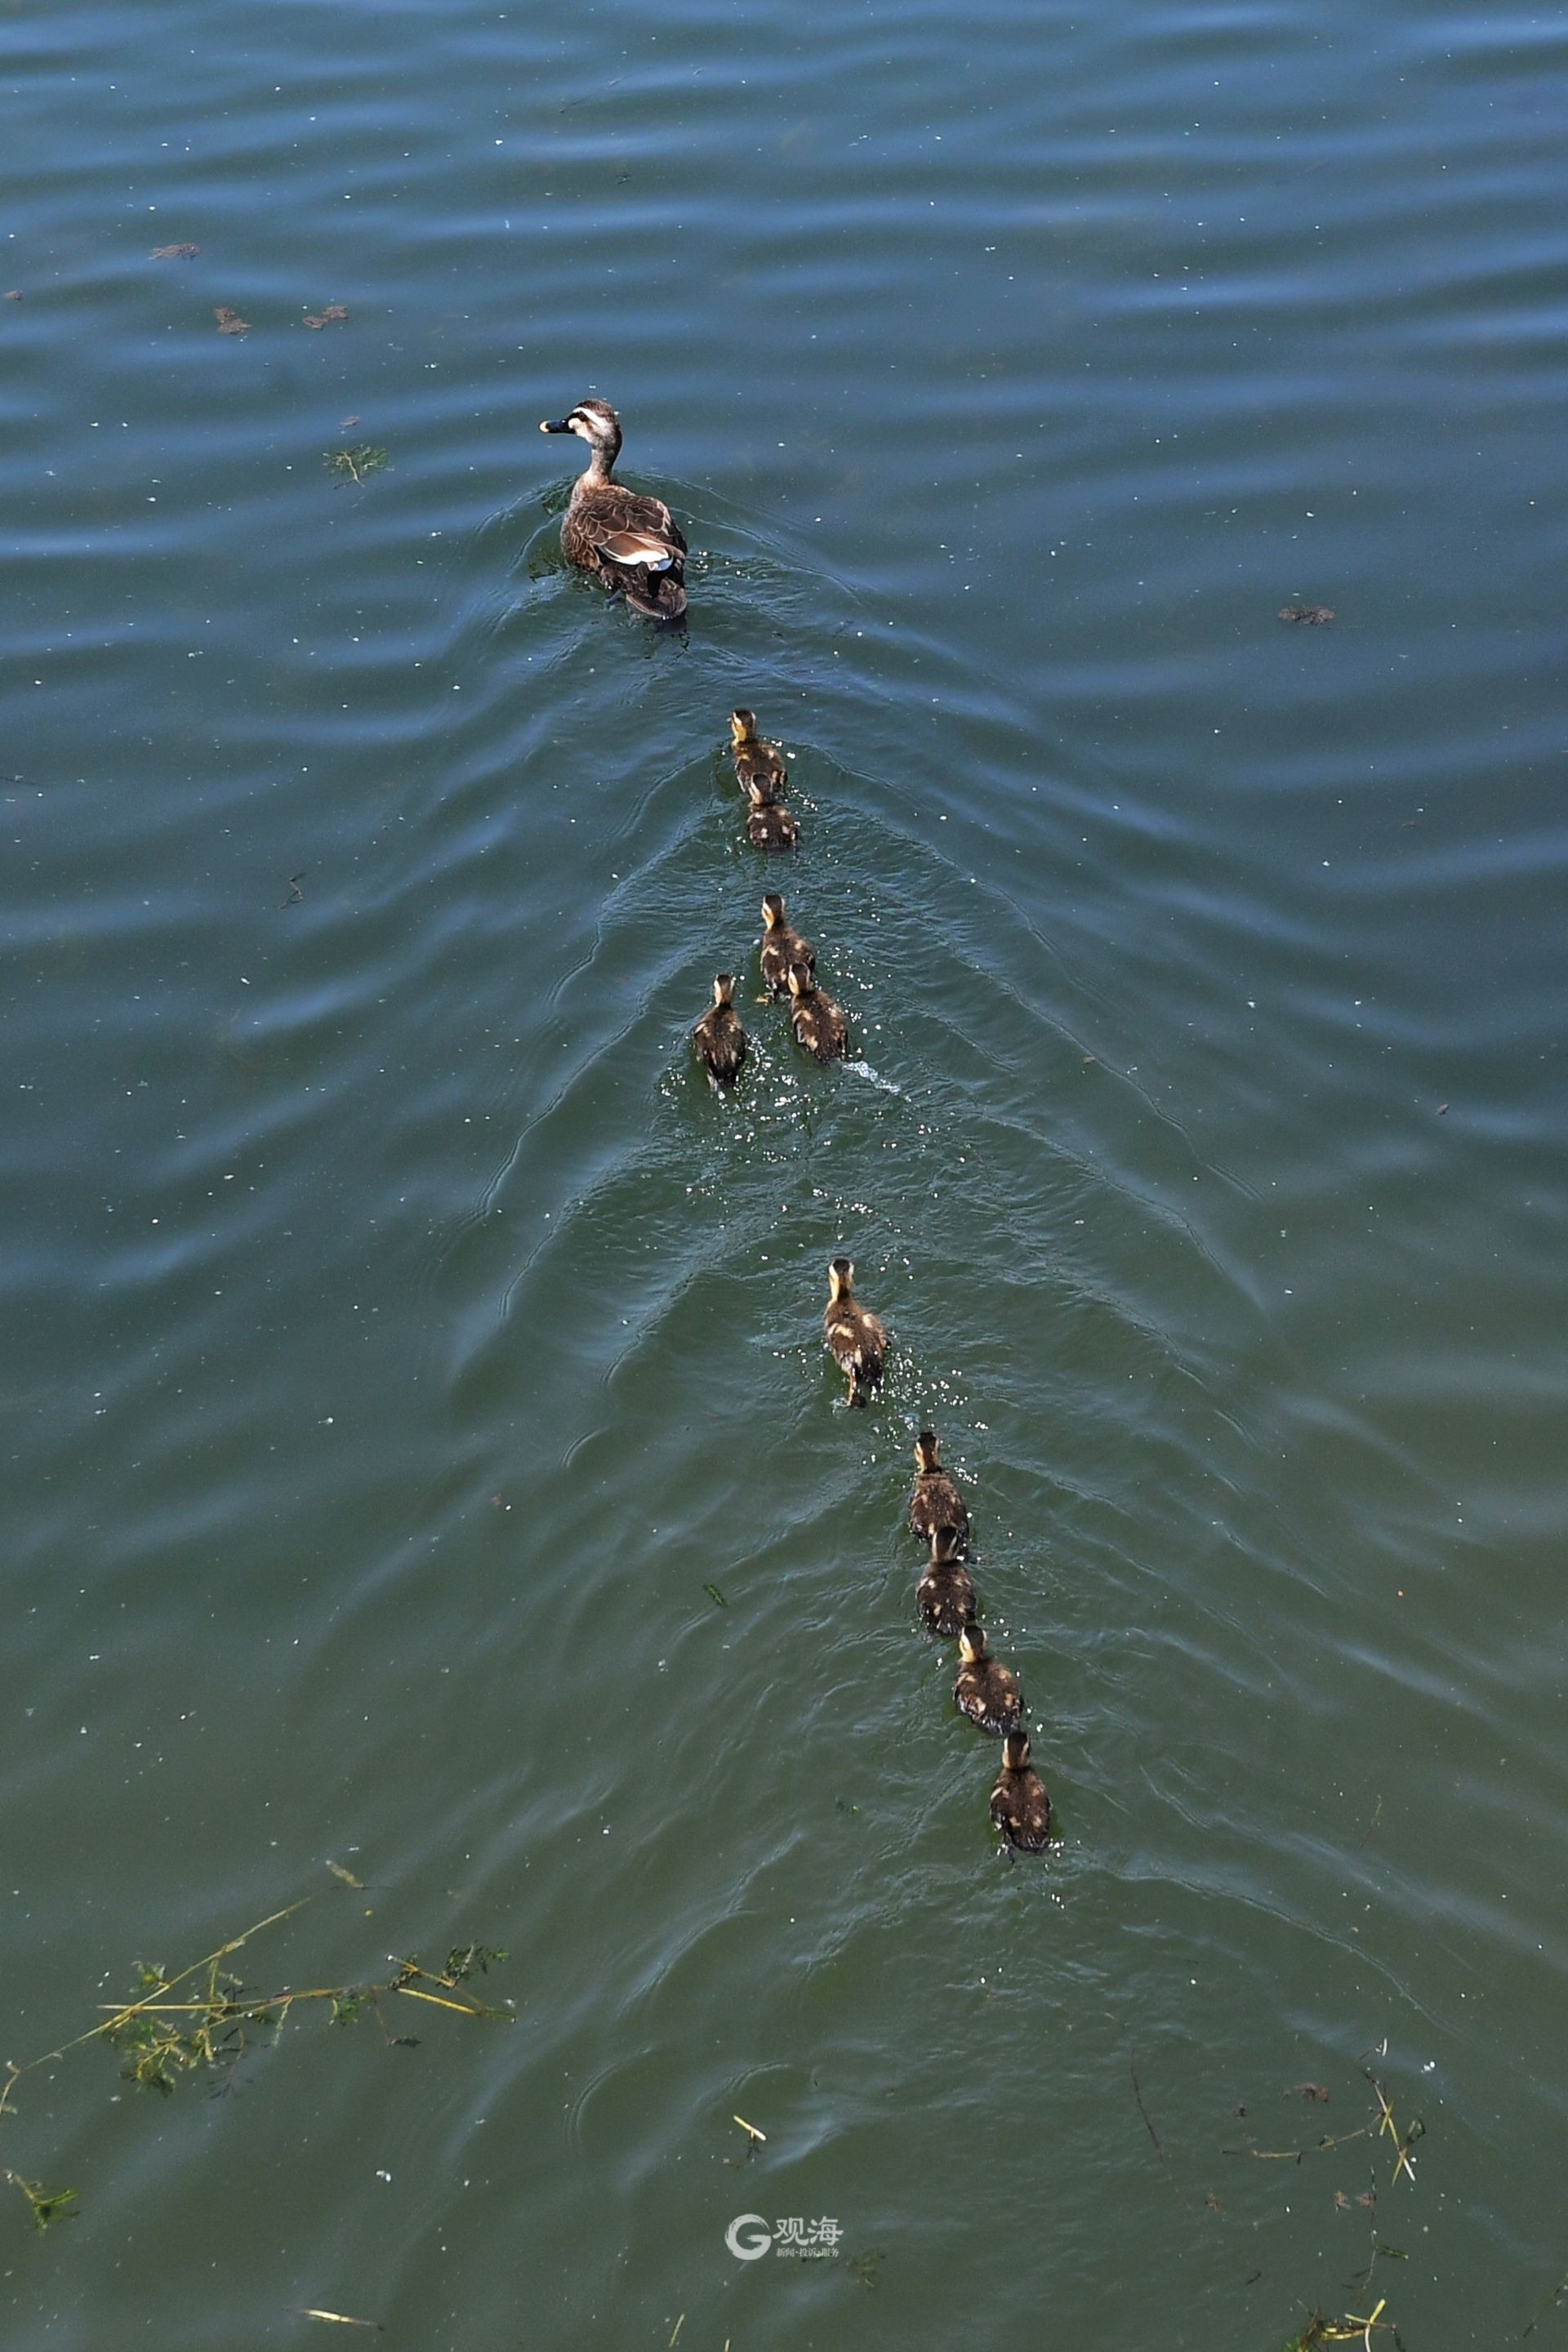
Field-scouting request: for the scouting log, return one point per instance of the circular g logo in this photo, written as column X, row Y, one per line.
column 757, row 2241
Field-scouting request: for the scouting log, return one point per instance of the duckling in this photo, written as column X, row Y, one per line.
column 755, row 757
column 721, row 1044
column 781, row 947
column 818, row 1023
column 936, row 1501
column 1020, row 1807
column 769, row 824
column 858, row 1340
column 945, row 1593
column 986, row 1691
column 629, row 543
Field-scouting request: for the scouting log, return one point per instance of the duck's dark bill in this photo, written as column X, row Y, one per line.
column 563, row 426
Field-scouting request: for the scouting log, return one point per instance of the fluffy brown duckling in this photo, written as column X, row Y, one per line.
column 818, row 1023
column 629, row 543
column 768, row 823
column 721, row 1044
column 781, row 947
column 858, row 1338
column 936, row 1501
column 986, row 1691
column 945, row 1593
column 1020, row 1807
column 756, row 761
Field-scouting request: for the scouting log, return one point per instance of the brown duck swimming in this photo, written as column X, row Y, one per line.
column 945, row 1593
column 755, row 757
column 768, row 822
column 818, row 1023
column 629, row 543
column 721, row 1044
column 986, row 1691
column 858, row 1340
column 936, row 1501
column 781, row 947
column 1020, row 1807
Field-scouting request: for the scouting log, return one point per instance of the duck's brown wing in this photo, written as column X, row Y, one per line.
column 1003, row 1699
column 633, row 545
column 989, row 1695
column 1021, row 1809
column 945, row 1598
column 821, row 1028
column 771, row 827
column 722, row 1046
column 873, row 1342
column 937, row 1503
column 762, row 763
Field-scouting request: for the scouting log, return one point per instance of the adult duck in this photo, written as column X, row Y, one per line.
column 628, row 544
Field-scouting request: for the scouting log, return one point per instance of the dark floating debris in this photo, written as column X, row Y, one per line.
column 327, row 318
column 229, row 322
column 173, row 253
column 354, row 463
column 1310, row 616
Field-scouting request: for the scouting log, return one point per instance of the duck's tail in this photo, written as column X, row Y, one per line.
column 659, row 597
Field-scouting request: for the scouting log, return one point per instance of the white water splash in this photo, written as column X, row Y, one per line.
column 864, row 1070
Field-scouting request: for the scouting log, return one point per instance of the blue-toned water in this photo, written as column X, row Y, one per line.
column 404, row 1347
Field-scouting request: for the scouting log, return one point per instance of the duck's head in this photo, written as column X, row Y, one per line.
column 926, row 1454
column 772, row 910
column 1015, row 1751
column 743, row 726
column 593, row 421
column 801, row 984
column 943, row 1546
column 759, row 792
column 841, row 1273
column 723, row 988
column 972, row 1645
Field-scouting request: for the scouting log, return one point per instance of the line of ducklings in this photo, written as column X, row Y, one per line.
column 789, row 970
column 983, row 1689
column 788, row 961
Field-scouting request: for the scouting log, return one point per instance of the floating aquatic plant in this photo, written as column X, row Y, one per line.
column 353, row 464
column 205, row 2016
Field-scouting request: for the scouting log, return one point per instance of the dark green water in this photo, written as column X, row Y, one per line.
column 401, row 1339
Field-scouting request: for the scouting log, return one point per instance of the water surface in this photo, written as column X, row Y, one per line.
column 402, row 1340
